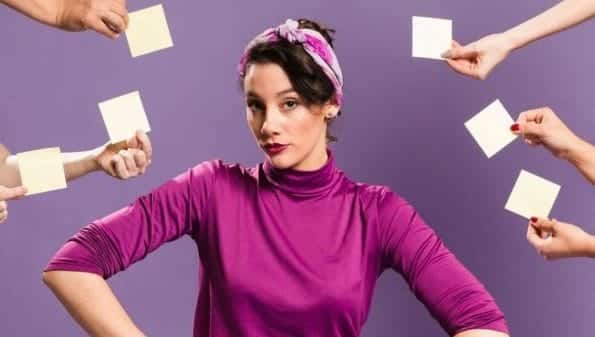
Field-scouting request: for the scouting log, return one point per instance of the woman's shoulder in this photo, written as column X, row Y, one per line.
column 221, row 170
column 378, row 195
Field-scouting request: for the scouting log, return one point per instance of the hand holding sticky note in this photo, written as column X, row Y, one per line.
column 431, row 37
column 148, row 31
column 532, row 196
column 123, row 116
column 491, row 128
column 42, row 170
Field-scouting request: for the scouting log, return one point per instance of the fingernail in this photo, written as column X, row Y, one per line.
column 515, row 127
column 446, row 54
column 533, row 219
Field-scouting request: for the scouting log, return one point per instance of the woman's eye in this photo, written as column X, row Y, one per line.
column 290, row 104
column 254, row 107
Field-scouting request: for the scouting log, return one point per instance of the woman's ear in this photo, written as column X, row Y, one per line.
column 331, row 110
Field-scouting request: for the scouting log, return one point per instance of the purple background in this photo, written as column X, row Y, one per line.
column 402, row 126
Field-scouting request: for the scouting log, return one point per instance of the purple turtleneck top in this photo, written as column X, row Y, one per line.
column 286, row 253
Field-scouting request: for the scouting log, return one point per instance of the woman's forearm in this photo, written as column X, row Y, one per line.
column 44, row 11
column 76, row 165
column 481, row 333
column 91, row 302
column 564, row 15
column 582, row 156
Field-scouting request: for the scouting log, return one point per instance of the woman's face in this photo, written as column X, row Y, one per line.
column 291, row 134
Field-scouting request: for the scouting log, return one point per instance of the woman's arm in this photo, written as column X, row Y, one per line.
column 112, row 244
column 107, row 17
column 111, row 159
column 481, row 333
column 454, row 297
column 554, row 239
column 91, row 302
column 543, row 127
column 562, row 16
column 479, row 58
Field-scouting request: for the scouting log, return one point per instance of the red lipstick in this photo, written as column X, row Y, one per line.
column 274, row 148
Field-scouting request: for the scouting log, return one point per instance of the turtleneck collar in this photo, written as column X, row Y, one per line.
column 303, row 183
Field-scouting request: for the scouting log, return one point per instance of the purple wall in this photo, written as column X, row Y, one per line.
column 402, row 126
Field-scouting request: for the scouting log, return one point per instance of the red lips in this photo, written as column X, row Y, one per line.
column 274, row 148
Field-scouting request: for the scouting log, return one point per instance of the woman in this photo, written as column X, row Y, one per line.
column 123, row 161
column 291, row 247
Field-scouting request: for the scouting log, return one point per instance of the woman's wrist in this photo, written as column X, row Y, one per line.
column 589, row 246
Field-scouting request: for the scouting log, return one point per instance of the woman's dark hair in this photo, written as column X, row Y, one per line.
column 307, row 78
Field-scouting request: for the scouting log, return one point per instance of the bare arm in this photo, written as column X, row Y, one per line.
column 76, row 165
column 107, row 17
column 477, row 59
column 90, row 301
column 562, row 16
column 123, row 160
column 582, row 155
column 481, row 333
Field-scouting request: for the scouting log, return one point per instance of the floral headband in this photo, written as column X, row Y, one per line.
column 313, row 43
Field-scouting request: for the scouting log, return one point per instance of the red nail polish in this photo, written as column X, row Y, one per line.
column 533, row 219
column 515, row 127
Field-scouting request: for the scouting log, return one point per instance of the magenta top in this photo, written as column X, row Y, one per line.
column 286, row 253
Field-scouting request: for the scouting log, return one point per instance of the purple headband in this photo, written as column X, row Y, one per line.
column 313, row 43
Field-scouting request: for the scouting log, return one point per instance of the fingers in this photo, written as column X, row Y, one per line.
column 131, row 168
column 119, row 167
column 145, row 145
column 544, row 224
column 534, row 236
column 12, row 193
column 458, row 52
column 463, row 67
column 122, row 12
column 129, row 163
column 529, row 124
column 114, row 21
column 101, row 27
column 3, row 211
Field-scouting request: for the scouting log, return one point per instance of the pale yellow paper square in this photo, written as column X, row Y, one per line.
column 42, row 170
column 147, row 31
column 532, row 196
column 123, row 116
column 431, row 37
column 491, row 128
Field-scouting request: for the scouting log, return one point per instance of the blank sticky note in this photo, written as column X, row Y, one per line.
column 42, row 170
column 491, row 128
column 123, row 116
column 431, row 37
column 532, row 196
column 148, row 31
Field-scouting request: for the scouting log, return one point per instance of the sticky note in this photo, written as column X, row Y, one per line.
column 491, row 128
column 147, row 31
column 532, row 196
column 431, row 37
column 123, row 116
column 42, row 170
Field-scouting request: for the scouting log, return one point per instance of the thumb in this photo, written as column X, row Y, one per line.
column 530, row 129
column 12, row 193
column 466, row 52
column 132, row 143
column 543, row 224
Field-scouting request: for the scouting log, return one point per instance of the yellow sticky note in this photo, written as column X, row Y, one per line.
column 147, row 31
column 532, row 196
column 431, row 37
column 491, row 128
column 42, row 170
column 123, row 116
